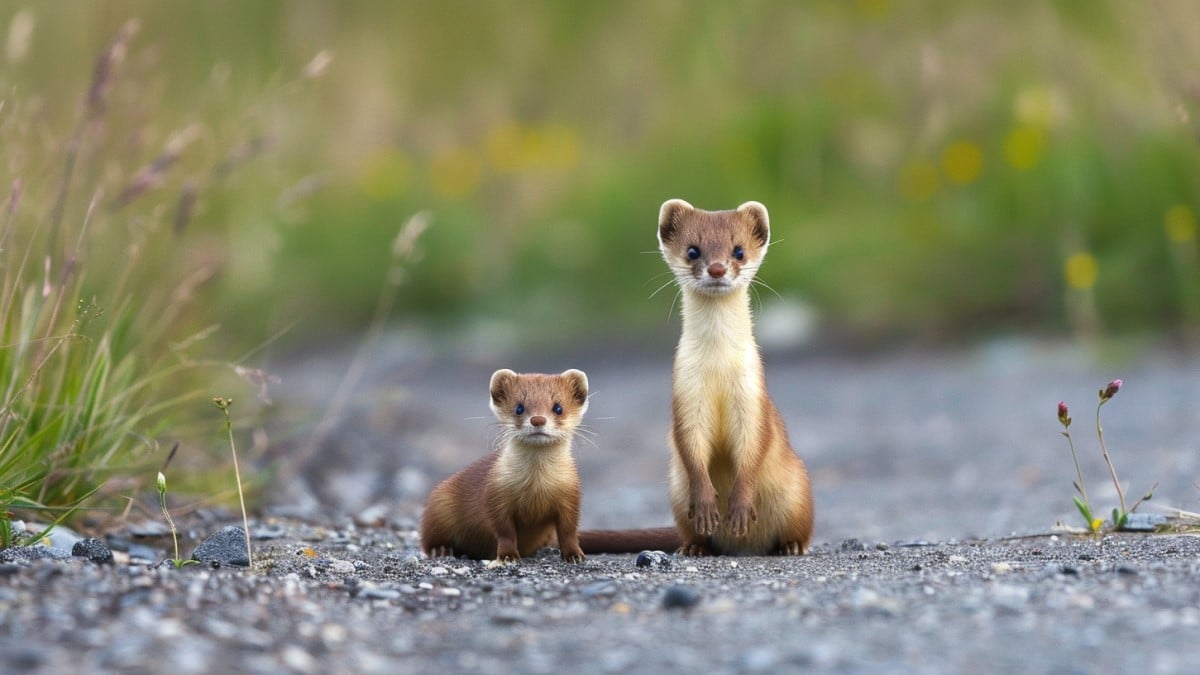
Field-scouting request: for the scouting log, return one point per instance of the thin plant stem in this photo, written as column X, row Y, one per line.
column 162, row 497
column 223, row 404
column 1104, row 449
column 1078, row 471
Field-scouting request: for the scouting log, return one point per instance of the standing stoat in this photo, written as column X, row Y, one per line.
column 526, row 494
column 736, row 484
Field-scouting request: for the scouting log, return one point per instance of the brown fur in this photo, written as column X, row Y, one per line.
column 526, row 494
column 736, row 484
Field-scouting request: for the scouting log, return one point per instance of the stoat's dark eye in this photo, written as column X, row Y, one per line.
column 557, row 409
column 693, row 253
column 520, row 409
column 739, row 253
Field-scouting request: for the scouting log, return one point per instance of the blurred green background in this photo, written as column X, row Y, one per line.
column 935, row 171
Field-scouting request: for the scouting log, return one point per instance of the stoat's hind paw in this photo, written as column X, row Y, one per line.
column 791, row 548
column 694, row 550
column 441, row 552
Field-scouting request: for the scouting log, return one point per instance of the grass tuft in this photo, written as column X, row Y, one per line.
column 105, row 257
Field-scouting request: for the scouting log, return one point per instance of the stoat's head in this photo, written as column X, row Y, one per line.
column 713, row 252
column 539, row 409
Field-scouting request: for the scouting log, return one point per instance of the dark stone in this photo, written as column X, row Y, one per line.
column 653, row 559
column 680, row 597
column 853, row 545
column 224, row 548
column 28, row 553
column 1126, row 569
column 1069, row 571
column 94, row 550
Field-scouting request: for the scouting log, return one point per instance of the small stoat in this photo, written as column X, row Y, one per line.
column 525, row 495
column 736, row 484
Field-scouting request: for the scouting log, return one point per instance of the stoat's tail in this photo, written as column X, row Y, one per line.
column 630, row 541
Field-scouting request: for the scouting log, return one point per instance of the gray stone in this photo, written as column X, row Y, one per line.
column 226, row 548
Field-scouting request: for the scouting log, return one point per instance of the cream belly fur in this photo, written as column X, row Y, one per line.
column 535, row 485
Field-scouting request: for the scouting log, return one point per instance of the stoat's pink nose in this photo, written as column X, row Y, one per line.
column 537, row 421
column 716, row 270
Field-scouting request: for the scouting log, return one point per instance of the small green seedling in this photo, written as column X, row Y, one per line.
column 162, row 499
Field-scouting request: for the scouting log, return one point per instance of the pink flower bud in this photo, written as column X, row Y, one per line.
column 1111, row 390
column 1064, row 416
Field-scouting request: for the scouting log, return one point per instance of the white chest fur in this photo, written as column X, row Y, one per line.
column 718, row 372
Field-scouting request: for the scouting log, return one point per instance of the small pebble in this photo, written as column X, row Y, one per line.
column 94, row 550
column 653, row 560
column 680, row 597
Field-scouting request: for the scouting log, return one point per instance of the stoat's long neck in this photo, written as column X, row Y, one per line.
column 717, row 325
column 523, row 466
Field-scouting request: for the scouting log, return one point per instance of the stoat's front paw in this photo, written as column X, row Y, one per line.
column 705, row 516
column 740, row 517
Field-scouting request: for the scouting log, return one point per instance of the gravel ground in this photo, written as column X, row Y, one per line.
column 939, row 482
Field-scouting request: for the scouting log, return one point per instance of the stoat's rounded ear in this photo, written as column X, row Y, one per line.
column 578, row 386
column 669, row 218
column 760, row 223
column 502, row 381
